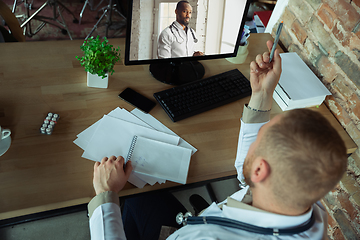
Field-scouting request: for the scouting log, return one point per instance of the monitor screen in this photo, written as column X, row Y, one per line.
column 173, row 35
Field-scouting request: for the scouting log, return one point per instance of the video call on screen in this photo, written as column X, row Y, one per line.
column 214, row 24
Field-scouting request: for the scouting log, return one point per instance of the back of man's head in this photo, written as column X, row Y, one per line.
column 306, row 155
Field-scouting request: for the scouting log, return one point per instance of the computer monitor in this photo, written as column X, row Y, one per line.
column 172, row 37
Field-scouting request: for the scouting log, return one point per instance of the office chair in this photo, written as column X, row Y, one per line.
column 91, row 5
column 107, row 11
column 198, row 203
column 12, row 22
column 55, row 5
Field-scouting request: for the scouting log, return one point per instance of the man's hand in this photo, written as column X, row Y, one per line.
column 264, row 77
column 110, row 174
column 197, row 54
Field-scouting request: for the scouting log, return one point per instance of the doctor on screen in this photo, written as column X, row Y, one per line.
column 178, row 40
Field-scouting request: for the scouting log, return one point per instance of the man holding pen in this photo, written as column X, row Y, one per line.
column 289, row 163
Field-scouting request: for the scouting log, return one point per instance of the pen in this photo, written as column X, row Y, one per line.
column 276, row 41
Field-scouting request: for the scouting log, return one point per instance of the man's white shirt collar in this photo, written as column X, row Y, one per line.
column 251, row 215
column 179, row 26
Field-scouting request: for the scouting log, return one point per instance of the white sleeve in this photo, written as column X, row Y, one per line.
column 164, row 44
column 248, row 134
column 106, row 223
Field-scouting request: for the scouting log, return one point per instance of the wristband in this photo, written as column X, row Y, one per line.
column 257, row 110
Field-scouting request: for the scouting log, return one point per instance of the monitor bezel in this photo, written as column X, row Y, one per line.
column 127, row 60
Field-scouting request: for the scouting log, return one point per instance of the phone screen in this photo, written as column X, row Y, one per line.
column 137, row 100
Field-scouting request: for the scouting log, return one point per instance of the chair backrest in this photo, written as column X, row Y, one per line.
column 12, row 22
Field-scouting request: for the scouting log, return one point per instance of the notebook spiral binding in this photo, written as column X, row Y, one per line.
column 131, row 150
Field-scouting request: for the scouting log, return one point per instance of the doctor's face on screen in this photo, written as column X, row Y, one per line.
column 183, row 14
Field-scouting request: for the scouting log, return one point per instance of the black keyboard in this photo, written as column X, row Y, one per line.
column 199, row 96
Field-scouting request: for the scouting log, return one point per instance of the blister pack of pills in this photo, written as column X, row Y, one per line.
column 49, row 123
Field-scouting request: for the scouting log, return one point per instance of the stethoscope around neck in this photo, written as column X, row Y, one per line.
column 182, row 39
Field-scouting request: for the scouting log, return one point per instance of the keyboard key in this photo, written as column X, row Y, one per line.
column 196, row 97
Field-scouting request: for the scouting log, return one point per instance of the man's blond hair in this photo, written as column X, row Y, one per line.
column 306, row 155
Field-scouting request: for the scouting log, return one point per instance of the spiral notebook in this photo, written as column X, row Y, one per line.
column 159, row 159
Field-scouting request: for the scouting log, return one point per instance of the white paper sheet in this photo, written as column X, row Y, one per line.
column 113, row 136
column 156, row 124
column 169, row 161
column 136, row 181
column 149, row 179
column 139, row 180
column 120, row 113
column 136, row 117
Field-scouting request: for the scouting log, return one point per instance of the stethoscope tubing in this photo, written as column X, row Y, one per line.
column 192, row 32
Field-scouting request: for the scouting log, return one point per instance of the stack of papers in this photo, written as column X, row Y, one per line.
column 113, row 135
column 159, row 159
column 298, row 86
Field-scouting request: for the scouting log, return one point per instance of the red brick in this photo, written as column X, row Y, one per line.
column 314, row 53
column 341, row 89
column 288, row 17
column 327, row 15
column 338, row 187
column 347, row 229
column 344, row 117
column 355, row 45
column 350, row 68
column 331, row 224
column 356, row 101
column 357, row 30
column 345, row 12
column 331, row 221
column 327, row 69
column 301, row 9
column 356, row 2
column 348, row 206
column 323, row 38
column 330, row 201
column 338, row 235
column 344, row 86
column 299, row 31
column 285, row 38
column 294, row 47
column 314, row 3
column 340, row 114
column 341, row 34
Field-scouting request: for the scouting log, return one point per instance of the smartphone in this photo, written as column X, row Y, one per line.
column 137, row 100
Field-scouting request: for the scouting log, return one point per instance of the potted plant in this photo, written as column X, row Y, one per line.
column 99, row 59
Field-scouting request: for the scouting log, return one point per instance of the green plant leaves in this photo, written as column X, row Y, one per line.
column 99, row 56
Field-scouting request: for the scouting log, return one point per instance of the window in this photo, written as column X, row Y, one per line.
column 166, row 15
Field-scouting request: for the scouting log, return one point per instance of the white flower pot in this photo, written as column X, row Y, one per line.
column 96, row 81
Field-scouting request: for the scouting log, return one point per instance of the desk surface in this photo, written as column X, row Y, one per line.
column 44, row 172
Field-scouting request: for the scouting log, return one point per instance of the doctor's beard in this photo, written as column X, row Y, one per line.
column 185, row 21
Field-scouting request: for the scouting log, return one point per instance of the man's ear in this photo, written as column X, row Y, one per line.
column 260, row 170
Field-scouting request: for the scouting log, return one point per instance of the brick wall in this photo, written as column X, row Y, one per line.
column 326, row 35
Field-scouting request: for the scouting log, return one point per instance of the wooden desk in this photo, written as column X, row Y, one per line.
column 41, row 172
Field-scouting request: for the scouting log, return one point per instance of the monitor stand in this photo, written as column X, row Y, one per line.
column 177, row 73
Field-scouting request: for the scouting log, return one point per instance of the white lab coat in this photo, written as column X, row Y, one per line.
column 174, row 42
column 106, row 222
